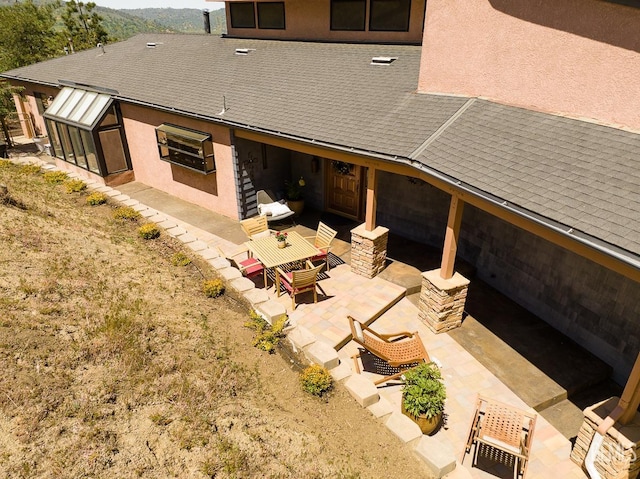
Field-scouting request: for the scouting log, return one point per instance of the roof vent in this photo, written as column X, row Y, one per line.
column 244, row 51
column 151, row 44
column 383, row 60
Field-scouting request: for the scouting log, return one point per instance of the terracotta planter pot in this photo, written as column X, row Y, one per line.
column 427, row 426
column 297, row 206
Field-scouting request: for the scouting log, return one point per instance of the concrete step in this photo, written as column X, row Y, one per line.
column 541, row 365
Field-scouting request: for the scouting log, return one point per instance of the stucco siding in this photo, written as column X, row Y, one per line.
column 215, row 191
column 576, row 57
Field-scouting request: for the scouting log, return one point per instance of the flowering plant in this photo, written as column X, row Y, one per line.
column 281, row 236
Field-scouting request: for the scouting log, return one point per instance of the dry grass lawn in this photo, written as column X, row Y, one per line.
column 115, row 364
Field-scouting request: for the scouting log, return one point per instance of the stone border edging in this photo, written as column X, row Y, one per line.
column 440, row 460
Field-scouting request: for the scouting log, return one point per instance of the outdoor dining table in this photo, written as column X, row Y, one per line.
column 271, row 256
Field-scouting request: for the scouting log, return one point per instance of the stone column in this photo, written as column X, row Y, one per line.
column 618, row 455
column 368, row 250
column 442, row 300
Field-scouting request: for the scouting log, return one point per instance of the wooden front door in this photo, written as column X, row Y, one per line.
column 344, row 189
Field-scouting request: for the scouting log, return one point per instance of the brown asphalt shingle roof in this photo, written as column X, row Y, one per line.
column 580, row 174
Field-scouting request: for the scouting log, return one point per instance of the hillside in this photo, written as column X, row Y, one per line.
column 116, row 365
column 122, row 24
column 188, row 20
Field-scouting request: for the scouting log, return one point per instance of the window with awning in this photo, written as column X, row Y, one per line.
column 184, row 147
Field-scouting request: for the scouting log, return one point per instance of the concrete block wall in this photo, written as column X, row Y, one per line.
column 597, row 308
column 594, row 306
column 412, row 208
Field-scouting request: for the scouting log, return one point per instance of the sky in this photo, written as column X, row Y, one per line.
column 199, row 4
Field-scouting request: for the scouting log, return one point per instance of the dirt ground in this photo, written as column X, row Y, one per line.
column 115, row 364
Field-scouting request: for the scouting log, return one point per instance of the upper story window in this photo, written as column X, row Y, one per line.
column 270, row 15
column 390, row 15
column 384, row 15
column 348, row 14
column 242, row 15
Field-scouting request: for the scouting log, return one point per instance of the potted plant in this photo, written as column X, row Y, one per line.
column 281, row 238
column 293, row 192
column 423, row 396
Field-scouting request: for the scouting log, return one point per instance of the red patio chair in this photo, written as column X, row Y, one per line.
column 249, row 266
column 298, row 281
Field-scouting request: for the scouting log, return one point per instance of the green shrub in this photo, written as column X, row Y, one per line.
column 55, row 177
column 423, row 392
column 267, row 336
column 74, row 186
column 180, row 259
column 213, row 288
column 126, row 213
column 149, row 231
column 30, row 169
column 96, row 198
column 5, row 163
column 316, row 380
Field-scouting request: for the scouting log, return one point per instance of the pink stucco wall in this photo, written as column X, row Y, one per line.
column 311, row 20
column 31, row 107
column 215, row 191
column 574, row 57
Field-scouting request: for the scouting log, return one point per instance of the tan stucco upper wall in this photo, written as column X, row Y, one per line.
column 575, row 57
column 215, row 191
column 311, row 20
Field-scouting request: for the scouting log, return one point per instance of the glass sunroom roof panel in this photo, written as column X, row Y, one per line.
column 80, row 107
column 95, row 110
column 71, row 103
column 59, row 100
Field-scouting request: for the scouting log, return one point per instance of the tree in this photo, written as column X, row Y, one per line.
column 27, row 34
column 83, row 25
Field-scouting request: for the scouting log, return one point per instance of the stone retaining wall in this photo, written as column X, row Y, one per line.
column 617, row 457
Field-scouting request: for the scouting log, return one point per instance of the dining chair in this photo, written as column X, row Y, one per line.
column 249, row 267
column 256, row 227
column 298, row 281
column 322, row 240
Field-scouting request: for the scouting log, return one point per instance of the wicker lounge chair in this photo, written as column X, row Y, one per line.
column 398, row 352
column 256, row 227
column 322, row 240
column 298, row 281
column 503, row 428
column 270, row 208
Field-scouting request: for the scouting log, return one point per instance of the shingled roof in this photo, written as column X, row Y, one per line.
column 576, row 174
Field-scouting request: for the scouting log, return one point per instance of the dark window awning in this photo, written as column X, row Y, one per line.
column 184, row 133
column 78, row 107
